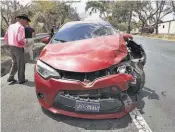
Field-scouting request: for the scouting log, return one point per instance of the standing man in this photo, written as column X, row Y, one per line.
column 29, row 33
column 15, row 38
column 57, row 28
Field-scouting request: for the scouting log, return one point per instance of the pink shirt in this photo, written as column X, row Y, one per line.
column 15, row 35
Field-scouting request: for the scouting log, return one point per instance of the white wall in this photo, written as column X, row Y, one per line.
column 163, row 27
column 168, row 27
column 172, row 28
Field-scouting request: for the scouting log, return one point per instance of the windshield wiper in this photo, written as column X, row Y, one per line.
column 60, row 40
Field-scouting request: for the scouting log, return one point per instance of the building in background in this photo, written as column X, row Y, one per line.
column 167, row 27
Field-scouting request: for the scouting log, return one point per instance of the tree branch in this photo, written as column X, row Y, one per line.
column 4, row 19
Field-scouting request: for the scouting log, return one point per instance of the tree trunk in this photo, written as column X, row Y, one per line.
column 157, row 28
column 129, row 21
column 63, row 19
column 157, row 19
column 173, row 5
column 5, row 20
column 13, row 20
column 142, row 27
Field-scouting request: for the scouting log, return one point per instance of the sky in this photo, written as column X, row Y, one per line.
column 80, row 7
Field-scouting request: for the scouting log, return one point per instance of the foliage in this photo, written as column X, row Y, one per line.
column 103, row 7
column 52, row 13
column 115, row 12
column 122, row 13
column 43, row 14
column 10, row 9
column 122, row 26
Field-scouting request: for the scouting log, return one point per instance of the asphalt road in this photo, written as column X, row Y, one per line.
column 20, row 111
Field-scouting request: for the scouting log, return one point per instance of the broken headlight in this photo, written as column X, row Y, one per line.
column 46, row 71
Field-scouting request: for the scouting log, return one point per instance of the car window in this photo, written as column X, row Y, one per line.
column 75, row 32
column 72, row 32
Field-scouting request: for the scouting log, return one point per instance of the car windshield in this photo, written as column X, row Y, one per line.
column 79, row 31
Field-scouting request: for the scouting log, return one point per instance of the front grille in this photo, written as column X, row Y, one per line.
column 72, row 109
column 68, row 103
column 102, row 93
column 81, row 76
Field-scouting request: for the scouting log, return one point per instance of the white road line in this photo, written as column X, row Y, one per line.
column 139, row 121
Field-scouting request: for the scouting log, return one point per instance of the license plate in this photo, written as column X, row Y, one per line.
column 87, row 106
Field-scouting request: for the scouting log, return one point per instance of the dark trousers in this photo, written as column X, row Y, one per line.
column 18, row 62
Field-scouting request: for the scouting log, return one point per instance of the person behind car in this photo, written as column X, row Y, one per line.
column 52, row 31
column 29, row 33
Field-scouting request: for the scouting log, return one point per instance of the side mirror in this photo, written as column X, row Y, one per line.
column 46, row 40
column 127, row 36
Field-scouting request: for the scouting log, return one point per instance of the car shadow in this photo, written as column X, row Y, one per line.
column 29, row 84
column 87, row 124
column 145, row 93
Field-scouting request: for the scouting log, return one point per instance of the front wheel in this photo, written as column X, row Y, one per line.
column 139, row 82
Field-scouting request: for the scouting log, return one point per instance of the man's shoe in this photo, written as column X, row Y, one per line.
column 11, row 80
column 21, row 82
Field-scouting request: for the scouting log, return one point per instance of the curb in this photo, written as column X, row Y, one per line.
column 6, row 65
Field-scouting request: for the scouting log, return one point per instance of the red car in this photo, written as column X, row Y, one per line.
column 88, row 70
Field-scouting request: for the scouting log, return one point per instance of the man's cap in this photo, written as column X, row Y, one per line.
column 24, row 16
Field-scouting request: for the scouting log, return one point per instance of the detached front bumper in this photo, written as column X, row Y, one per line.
column 51, row 96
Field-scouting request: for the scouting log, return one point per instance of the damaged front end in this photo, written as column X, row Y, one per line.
column 102, row 100
column 94, row 95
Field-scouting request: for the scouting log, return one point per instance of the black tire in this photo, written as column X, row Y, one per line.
column 140, row 82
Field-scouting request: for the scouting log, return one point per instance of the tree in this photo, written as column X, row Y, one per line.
column 163, row 9
column 103, row 7
column 115, row 12
column 52, row 13
column 122, row 12
column 46, row 13
column 10, row 9
column 144, row 12
column 150, row 15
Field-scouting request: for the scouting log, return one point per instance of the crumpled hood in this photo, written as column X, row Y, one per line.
column 85, row 55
